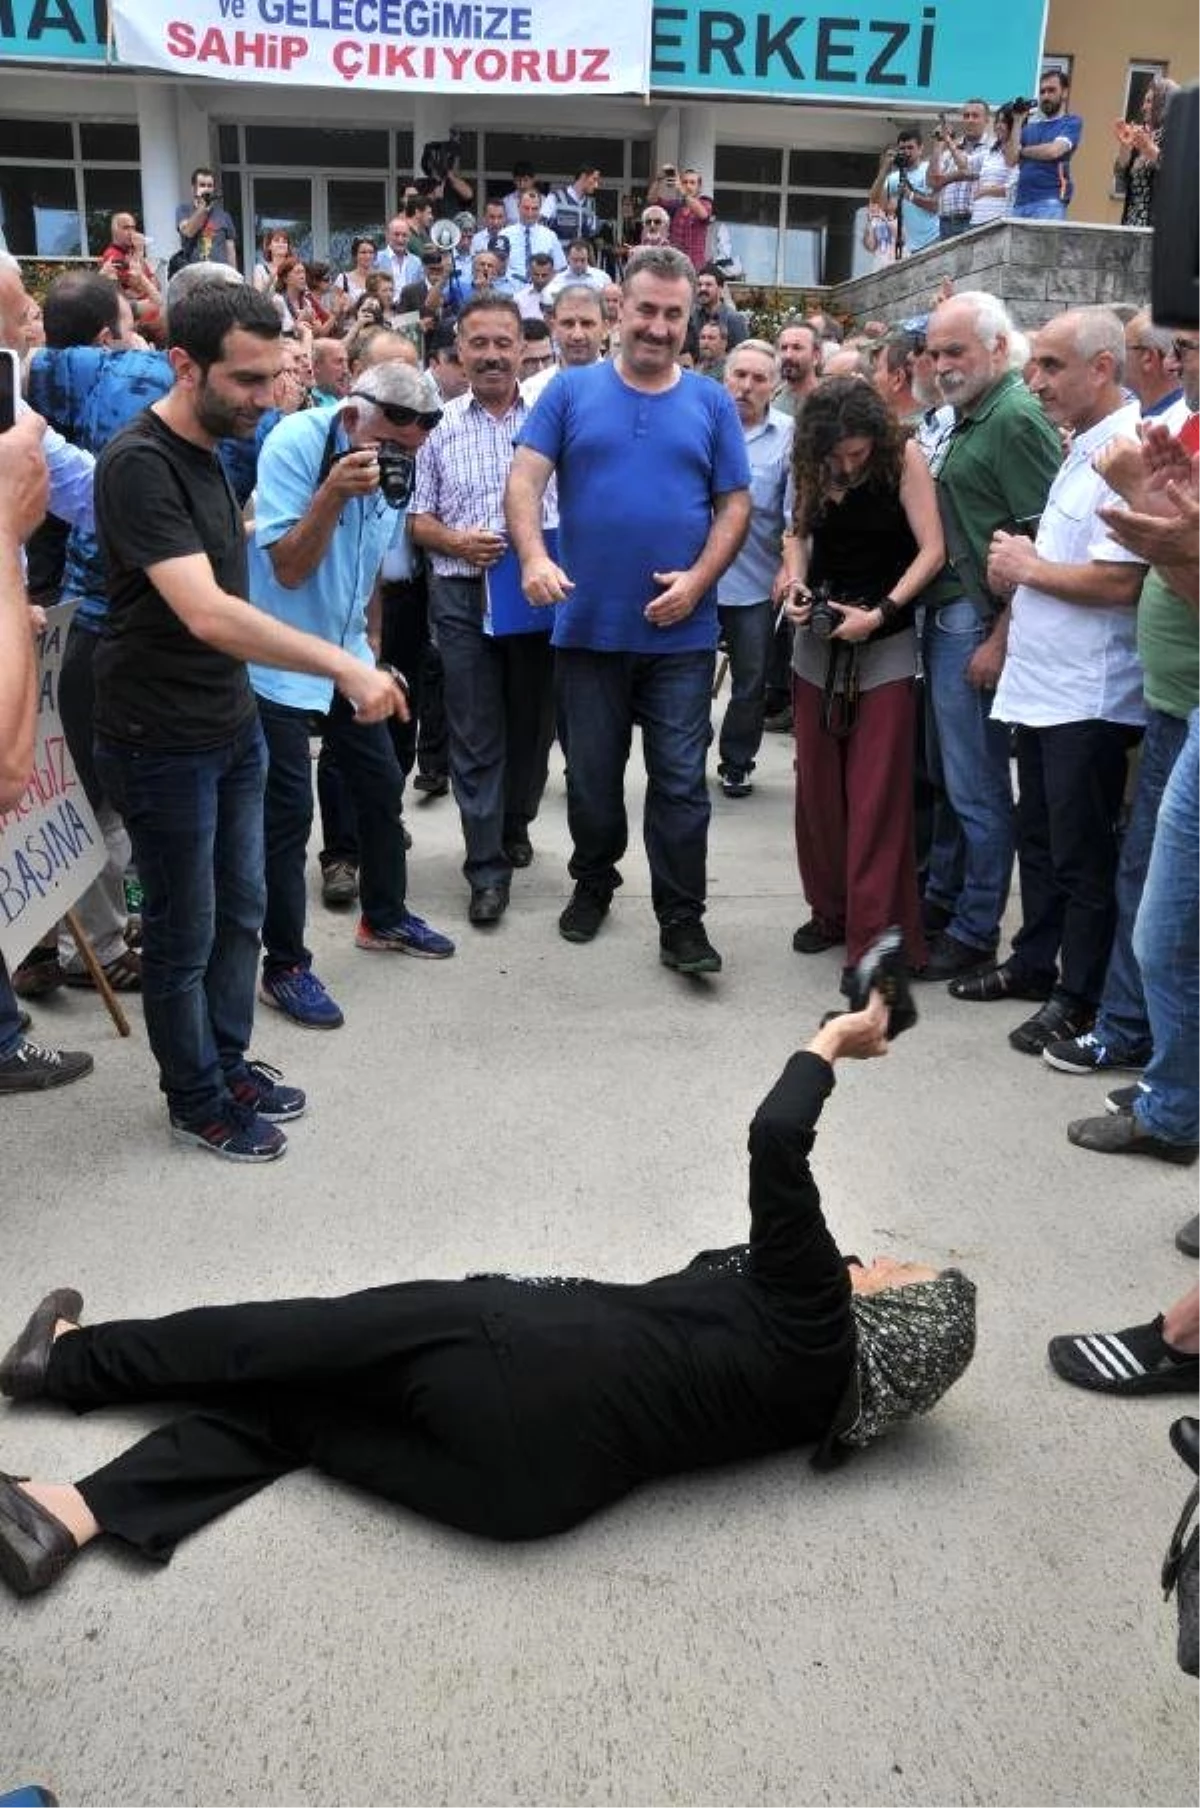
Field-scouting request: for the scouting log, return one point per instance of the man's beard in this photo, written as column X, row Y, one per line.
column 224, row 420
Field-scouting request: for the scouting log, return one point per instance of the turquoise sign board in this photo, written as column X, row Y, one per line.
column 54, row 31
column 909, row 52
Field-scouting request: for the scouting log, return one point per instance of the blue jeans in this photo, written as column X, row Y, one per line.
column 1122, row 1024
column 1040, row 210
column 748, row 629
column 373, row 783
column 974, row 756
column 602, row 697
column 196, row 823
column 10, row 1015
column 1165, row 942
column 500, row 716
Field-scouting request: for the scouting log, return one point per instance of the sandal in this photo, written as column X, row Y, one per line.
column 124, row 974
column 1002, row 981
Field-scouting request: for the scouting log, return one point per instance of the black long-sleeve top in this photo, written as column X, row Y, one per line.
column 742, row 1353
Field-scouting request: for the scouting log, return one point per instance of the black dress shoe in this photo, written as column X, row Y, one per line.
column 23, row 1370
column 488, row 904
column 948, row 957
column 1059, row 1020
column 518, row 849
column 35, row 1548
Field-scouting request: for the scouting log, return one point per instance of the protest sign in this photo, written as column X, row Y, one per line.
column 51, row 847
column 429, row 46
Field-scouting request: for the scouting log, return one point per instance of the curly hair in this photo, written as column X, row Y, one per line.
column 842, row 408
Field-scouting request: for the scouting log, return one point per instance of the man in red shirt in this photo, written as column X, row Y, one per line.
column 690, row 212
column 125, row 258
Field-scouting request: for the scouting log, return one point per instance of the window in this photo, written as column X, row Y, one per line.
column 61, row 182
column 802, row 231
column 312, row 147
column 1137, row 79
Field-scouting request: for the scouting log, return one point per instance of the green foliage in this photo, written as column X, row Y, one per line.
column 768, row 308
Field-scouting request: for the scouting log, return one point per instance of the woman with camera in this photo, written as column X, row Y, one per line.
column 867, row 540
column 997, row 181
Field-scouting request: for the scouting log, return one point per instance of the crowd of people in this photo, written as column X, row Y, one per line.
column 284, row 519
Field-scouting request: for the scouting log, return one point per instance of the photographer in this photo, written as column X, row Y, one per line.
column 331, row 499
column 867, row 540
column 1041, row 151
column 207, row 234
column 691, row 213
column 440, row 180
column 954, row 170
column 509, row 1408
column 903, row 185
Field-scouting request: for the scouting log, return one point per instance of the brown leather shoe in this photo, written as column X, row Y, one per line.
column 23, row 1370
column 35, row 1548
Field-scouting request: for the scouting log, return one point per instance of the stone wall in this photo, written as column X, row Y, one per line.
column 1037, row 267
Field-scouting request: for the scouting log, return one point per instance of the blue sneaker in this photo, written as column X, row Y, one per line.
column 412, row 935
column 258, row 1086
column 299, row 994
column 235, row 1132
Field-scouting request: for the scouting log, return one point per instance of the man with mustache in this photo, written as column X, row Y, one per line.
column 499, row 689
column 994, row 470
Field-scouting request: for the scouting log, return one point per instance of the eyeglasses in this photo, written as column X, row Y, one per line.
column 427, row 418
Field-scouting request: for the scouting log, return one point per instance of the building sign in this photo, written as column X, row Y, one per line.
column 913, row 53
column 539, row 47
column 50, row 846
column 54, row 30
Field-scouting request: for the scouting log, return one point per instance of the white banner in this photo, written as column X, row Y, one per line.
column 50, row 845
column 432, row 46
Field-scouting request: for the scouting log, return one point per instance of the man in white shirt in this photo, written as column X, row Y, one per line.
column 528, row 236
column 1071, row 683
column 493, row 224
column 533, row 297
column 394, row 258
column 580, row 272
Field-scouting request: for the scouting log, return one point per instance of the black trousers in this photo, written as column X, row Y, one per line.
column 399, row 1390
column 1072, row 780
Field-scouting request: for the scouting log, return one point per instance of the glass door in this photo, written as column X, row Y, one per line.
column 355, row 206
column 282, row 204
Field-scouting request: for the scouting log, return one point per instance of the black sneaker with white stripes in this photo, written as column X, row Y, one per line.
column 1136, row 1361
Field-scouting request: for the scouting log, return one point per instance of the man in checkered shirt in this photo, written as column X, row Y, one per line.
column 955, row 165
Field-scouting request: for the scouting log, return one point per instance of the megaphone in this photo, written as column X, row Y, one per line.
column 444, row 234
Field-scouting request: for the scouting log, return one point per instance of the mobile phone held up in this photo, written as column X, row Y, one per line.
column 10, row 388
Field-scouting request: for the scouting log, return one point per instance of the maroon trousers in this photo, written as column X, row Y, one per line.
column 854, row 816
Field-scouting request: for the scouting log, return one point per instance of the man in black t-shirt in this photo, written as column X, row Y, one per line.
column 178, row 744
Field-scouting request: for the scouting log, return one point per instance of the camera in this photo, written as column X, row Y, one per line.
column 440, row 156
column 882, row 969
column 824, row 618
column 397, row 475
column 902, row 157
column 1020, row 105
column 668, row 169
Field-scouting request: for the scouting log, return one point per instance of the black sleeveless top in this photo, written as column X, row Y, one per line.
column 861, row 546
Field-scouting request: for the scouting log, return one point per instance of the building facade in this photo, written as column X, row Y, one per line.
column 81, row 136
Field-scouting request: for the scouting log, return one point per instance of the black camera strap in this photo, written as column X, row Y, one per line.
column 839, row 701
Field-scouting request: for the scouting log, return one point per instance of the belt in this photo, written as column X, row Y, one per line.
column 956, row 216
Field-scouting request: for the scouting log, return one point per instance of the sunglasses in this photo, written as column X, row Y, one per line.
column 401, row 417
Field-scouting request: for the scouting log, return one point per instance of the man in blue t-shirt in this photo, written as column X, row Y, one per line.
column 653, row 498
column 1044, row 151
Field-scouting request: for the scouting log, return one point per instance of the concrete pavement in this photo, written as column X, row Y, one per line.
column 967, row 1614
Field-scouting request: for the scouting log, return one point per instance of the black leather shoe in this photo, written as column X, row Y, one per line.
column 948, row 957
column 488, row 904
column 1185, row 1442
column 518, row 849
column 23, row 1370
column 35, row 1548
column 1057, row 1021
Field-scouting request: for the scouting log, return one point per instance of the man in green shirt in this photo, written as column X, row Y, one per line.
column 994, row 471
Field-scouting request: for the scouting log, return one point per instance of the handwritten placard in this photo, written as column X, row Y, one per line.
column 50, row 845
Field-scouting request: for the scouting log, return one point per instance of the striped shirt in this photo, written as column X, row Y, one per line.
column 957, row 198
column 461, row 472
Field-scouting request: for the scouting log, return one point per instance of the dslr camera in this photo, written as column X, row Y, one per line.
column 397, row 475
column 440, row 156
column 823, row 619
column 903, row 157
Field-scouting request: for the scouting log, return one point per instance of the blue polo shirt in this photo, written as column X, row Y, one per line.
column 1039, row 181
column 332, row 602
column 637, row 474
